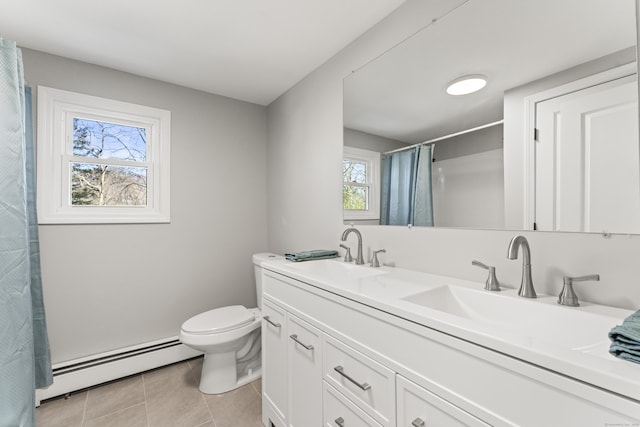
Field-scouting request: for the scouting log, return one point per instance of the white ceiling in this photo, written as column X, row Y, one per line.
column 401, row 95
column 252, row 50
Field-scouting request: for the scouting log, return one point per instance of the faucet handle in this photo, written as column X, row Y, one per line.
column 347, row 256
column 568, row 295
column 492, row 283
column 374, row 260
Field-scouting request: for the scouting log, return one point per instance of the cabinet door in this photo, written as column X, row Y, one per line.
column 418, row 407
column 305, row 373
column 274, row 363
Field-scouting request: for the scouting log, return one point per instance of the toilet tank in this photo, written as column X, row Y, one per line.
column 258, row 259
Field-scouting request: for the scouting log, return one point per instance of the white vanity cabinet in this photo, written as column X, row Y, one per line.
column 292, row 369
column 416, row 374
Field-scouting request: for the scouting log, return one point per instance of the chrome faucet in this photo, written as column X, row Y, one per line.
column 526, row 286
column 359, row 257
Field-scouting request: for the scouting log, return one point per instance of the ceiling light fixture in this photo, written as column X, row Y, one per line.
column 466, row 84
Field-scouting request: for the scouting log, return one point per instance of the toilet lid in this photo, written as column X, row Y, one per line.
column 219, row 320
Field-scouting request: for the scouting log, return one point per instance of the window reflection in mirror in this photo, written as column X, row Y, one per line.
column 360, row 188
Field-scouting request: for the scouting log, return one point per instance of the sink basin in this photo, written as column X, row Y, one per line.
column 532, row 320
column 468, row 303
column 334, row 270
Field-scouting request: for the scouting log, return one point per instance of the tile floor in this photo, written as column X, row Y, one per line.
column 167, row 396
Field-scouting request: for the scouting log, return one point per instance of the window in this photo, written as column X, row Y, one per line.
column 100, row 160
column 360, row 190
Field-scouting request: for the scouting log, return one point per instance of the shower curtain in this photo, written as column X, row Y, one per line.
column 406, row 196
column 24, row 346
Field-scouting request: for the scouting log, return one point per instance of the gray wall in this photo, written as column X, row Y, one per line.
column 304, row 155
column 475, row 142
column 366, row 141
column 110, row 286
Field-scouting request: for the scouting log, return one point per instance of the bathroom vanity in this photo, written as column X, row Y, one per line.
column 347, row 345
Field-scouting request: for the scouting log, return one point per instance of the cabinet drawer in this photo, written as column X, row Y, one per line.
column 338, row 411
column 418, row 407
column 367, row 383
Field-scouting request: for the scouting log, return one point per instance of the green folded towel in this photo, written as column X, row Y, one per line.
column 625, row 339
column 311, row 255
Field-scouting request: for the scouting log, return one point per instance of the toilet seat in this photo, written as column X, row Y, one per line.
column 219, row 320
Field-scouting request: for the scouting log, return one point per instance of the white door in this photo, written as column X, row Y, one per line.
column 587, row 160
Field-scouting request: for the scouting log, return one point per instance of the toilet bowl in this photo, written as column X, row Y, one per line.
column 229, row 337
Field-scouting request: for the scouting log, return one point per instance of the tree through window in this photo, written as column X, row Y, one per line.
column 107, row 184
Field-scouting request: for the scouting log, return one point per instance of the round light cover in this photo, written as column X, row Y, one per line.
column 466, row 84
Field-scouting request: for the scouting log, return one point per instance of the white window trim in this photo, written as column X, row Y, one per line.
column 55, row 109
column 372, row 158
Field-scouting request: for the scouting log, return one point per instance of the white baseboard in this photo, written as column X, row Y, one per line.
column 100, row 368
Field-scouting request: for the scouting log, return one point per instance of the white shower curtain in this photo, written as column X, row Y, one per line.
column 24, row 347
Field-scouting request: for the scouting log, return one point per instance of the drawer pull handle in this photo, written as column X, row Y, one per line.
column 364, row 386
column 271, row 322
column 418, row 423
column 295, row 338
column 339, row 422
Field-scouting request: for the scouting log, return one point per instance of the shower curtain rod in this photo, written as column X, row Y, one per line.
column 441, row 138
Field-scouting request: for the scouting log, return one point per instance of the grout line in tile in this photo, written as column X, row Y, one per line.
column 208, row 410
column 193, row 375
column 202, row 396
column 253, row 386
column 116, row 412
column 146, row 405
column 84, row 408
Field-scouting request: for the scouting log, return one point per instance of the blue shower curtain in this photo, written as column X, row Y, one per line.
column 406, row 195
column 24, row 347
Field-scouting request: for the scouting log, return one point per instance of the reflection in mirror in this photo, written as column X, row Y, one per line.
column 548, row 62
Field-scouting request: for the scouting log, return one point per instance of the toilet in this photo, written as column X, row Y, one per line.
column 229, row 337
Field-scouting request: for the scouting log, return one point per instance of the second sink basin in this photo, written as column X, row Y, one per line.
column 536, row 320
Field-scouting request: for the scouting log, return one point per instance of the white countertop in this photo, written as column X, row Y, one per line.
column 569, row 340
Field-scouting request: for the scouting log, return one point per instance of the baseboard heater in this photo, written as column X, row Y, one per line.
column 89, row 371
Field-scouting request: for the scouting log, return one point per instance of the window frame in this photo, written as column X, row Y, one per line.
column 56, row 111
column 372, row 159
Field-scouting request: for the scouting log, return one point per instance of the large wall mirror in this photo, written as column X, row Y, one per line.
column 549, row 143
